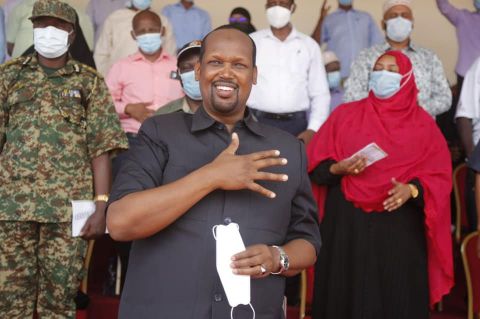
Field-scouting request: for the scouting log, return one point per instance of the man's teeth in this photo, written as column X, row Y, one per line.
column 225, row 88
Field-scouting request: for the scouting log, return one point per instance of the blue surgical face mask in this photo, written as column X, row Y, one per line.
column 385, row 84
column 149, row 43
column 334, row 79
column 399, row 29
column 191, row 87
column 141, row 4
column 345, row 2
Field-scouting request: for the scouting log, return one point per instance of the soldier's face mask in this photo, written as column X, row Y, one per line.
column 50, row 42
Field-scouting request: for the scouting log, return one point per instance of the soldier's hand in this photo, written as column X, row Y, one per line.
column 139, row 111
column 95, row 224
column 235, row 172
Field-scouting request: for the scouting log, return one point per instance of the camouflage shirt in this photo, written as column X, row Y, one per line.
column 51, row 127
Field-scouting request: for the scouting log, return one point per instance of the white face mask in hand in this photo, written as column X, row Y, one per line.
column 229, row 243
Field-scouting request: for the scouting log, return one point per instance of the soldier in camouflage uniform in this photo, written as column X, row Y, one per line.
column 57, row 128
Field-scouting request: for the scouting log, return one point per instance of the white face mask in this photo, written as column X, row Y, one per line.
column 237, row 287
column 50, row 42
column 399, row 29
column 278, row 16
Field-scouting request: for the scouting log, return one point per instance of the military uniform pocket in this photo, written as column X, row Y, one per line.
column 73, row 112
column 18, row 105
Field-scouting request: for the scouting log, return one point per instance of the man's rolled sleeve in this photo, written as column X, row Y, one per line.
column 304, row 216
column 143, row 168
column 104, row 133
column 318, row 91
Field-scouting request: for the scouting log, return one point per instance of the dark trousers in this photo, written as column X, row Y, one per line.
column 294, row 123
column 123, row 248
column 470, row 201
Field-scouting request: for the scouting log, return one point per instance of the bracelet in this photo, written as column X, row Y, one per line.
column 101, row 198
column 413, row 190
column 284, row 261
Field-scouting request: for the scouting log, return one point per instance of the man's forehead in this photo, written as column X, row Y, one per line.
column 227, row 38
column 279, row 1
column 398, row 8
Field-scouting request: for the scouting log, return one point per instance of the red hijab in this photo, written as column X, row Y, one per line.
column 416, row 150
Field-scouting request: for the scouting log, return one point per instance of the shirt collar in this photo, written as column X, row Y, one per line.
column 411, row 46
column 202, row 121
column 138, row 56
column 180, row 5
column 70, row 67
column 293, row 34
column 352, row 10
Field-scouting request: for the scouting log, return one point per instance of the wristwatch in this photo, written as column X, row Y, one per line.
column 413, row 190
column 284, row 262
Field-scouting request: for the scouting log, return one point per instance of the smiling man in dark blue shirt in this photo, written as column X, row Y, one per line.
column 217, row 166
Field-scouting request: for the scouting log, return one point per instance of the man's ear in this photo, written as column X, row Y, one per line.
column 255, row 73
column 294, row 7
column 384, row 25
column 162, row 33
column 197, row 71
column 133, row 35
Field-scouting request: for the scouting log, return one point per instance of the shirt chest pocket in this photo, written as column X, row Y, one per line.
column 20, row 106
column 298, row 63
column 71, row 108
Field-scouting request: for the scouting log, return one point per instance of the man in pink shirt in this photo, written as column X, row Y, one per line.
column 140, row 84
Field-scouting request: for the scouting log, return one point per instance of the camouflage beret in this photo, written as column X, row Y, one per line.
column 55, row 9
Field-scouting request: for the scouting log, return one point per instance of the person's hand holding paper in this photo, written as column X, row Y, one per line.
column 357, row 163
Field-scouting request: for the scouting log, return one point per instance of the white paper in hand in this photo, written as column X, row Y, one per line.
column 372, row 152
column 81, row 211
column 229, row 243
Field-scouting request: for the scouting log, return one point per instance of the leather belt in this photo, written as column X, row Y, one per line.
column 280, row 116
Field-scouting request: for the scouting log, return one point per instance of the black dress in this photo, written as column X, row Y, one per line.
column 371, row 265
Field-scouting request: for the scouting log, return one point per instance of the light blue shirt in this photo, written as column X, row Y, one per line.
column 188, row 25
column 347, row 33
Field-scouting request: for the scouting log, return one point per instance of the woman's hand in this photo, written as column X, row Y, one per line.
column 351, row 166
column 398, row 196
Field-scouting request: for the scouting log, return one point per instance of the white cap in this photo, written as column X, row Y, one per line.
column 392, row 3
column 329, row 57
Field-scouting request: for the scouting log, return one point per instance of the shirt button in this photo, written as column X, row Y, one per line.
column 218, row 297
column 227, row 220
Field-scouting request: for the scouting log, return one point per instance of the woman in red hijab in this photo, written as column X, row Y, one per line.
column 386, row 228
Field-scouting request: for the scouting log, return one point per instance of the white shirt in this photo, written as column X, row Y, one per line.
column 291, row 77
column 469, row 104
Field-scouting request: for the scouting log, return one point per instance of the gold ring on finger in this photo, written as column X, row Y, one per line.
column 399, row 201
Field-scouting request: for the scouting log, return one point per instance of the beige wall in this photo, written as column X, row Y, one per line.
column 432, row 30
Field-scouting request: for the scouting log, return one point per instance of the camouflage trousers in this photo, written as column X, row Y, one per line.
column 40, row 269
